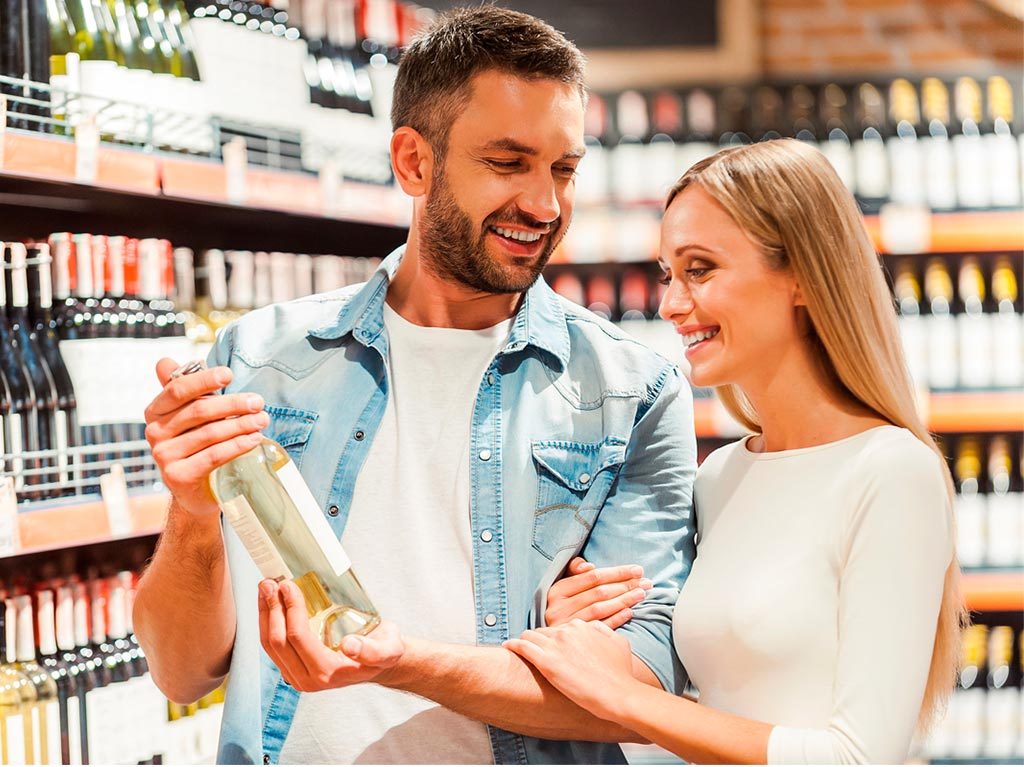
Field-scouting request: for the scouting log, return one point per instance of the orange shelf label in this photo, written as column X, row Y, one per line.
column 282, row 190
column 129, row 170
column 41, row 156
column 193, row 179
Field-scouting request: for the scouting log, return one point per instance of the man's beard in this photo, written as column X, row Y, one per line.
column 453, row 252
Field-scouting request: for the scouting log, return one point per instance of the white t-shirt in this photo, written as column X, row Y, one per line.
column 813, row 600
column 409, row 538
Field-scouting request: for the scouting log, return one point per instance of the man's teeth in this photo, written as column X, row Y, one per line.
column 701, row 335
column 520, row 236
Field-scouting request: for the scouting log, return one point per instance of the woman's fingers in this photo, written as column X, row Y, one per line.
column 598, row 603
column 577, row 584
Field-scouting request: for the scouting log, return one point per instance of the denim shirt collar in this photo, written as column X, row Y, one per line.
column 539, row 323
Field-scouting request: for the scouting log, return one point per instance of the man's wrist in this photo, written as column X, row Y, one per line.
column 398, row 676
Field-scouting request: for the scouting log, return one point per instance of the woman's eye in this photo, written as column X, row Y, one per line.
column 697, row 272
column 567, row 170
column 665, row 278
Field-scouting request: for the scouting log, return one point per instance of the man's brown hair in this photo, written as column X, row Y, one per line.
column 434, row 74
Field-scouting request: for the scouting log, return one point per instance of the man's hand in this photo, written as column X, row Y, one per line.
column 589, row 593
column 305, row 663
column 192, row 434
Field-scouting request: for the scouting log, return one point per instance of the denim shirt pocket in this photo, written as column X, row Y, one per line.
column 290, row 428
column 573, row 481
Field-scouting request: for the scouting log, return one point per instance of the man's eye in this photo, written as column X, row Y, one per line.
column 504, row 163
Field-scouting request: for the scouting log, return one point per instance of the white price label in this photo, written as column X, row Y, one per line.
column 9, row 539
column 114, row 489
column 3, row 129
column 236, row 162
column 87, row 151
column 905, row 228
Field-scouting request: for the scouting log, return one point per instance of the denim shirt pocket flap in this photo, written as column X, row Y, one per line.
column 572, row 484
column 290, row 428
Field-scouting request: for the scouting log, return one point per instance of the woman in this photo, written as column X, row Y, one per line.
column 821, row 619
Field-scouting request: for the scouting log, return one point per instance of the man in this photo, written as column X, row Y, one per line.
column 466, row 431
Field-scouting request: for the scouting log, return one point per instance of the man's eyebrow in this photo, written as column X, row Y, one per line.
column 511, row 145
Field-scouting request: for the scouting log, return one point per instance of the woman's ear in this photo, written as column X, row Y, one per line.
column 798, row 295
column 412, row 161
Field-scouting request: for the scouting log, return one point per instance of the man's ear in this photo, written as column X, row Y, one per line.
column 412, row 161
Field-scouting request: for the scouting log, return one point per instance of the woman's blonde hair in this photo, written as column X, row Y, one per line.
column 786, row 196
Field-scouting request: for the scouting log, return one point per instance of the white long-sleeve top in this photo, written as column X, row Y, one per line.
column 813, row 600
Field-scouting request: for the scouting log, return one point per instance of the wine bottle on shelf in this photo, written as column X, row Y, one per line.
column 125, row 676
column 871, row 162
column 79, row 675
column 1002, row 698
column 281, row 277
column 303, row 275
column 1007, row 327
column 601, row 299
column 833, row 106
column 212, row 292
column 63, row 76
column 975, row 328
column 733, row 116
column 568, row 286
column 969, row 695
column 1001, row 147
column 970, row 503
column 261, row 279
column 44, row 330
column 634, row 297
column 627, row 158
column 53, row 663
column 943, row 344
column 667, row 126
column 936, row 147
column 801, row 107
column 95, row 65
column 972, row 183
column 17, row 700
column 913, row 332
column 103, row 699
column 700, row 120
column 906, row 160
column 20, row 427
column 241, row 285
column 278, row 520
column 46, row 712
column 592, row 174
column 767, row 115
column 1005, row 507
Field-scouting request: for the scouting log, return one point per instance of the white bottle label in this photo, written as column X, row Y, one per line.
column 592, row 176
column 255, row 539
column 975, row 350
column 915, row 347
column 970, row 530
column 940, row 179
column 1008, row 343
column 74, row 731
column 1005, row 513
column 14, row 726
column 628, row 172
column 972, row 185
column 942, row 352
column 314, row 518
column 871, row 168
column 17, row 446
column 1003, row 167
column 10, row 540
column 1002, row 718
column 52, row 733
column 38, row 743
column 905, row 159
column 840, row 155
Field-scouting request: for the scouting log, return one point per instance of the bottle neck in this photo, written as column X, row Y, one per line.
column 46, row 618
column 25, row 649
column 83, row 276
column 64, row 618
column 98, row 606
column 40, row 293
column 15, row 257
column 114, row 282
column 118, row 628
column 150, row 272
column 3, row 632
column 81, row 616
column 62, row 247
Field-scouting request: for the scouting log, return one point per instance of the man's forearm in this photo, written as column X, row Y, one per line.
column 184, row 615
column 496, row 686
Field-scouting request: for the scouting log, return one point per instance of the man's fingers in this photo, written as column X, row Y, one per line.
column 308, row 649
column 203, row 411
column 211, row 434
column 274, row 635
column 182, row 390
column 164, row 368
column 189, row 470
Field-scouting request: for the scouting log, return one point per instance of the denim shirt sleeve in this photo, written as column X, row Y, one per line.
column 648, row 519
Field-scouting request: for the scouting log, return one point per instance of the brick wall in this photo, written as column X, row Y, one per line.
column 853, row 37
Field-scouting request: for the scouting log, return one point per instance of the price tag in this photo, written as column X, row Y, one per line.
column 10, row 541
column 87, row 150
column 114, row 489
column 330, row 186
column 3, row 128
column 236, row 162
column 905, row 228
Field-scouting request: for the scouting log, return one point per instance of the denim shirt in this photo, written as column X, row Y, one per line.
column 582, row 442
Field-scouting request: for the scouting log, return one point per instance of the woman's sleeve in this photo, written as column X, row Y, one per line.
column 894, row 556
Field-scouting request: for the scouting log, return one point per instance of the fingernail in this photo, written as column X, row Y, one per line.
column 267, row 590
column 646, row 584
column 254, row 402
column 254, row 439
column 261, row 419
column 352, row 645
column 638, row 593
column 223, row 377
column 636, row 571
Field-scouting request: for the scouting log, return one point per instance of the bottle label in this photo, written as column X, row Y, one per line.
column 975, row 350
column 74, row 732
column 1008, row 340
column 939, row 175
column 52, row 733
column 905, row 159
column 38, row 719
column 14, row 738
column 942, row 352
column 60, row 425
column 1004, row 520
column 255, row 539
column 970, row 530
column 972, row 184
column 17, row 445
column 840, row 154
column 314, row 518
column 1002, row 169
column 871, row 169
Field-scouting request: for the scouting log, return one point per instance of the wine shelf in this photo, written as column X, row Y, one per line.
column 996, row 591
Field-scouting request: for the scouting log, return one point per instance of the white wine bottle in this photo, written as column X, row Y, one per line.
column 274, row 514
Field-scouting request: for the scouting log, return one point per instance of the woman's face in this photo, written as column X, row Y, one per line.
column 736, row 316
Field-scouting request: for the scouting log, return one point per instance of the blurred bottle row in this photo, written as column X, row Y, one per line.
column 983, row 720
column 75, row 685
column 942, row 143
column 989, row 502
column 84, row 317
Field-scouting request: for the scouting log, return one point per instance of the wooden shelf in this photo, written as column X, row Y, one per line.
column 82, row 524
column 996, row 591
column 948, row 413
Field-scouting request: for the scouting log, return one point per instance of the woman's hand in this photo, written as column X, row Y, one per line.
column 588, row 662
column 602, row 594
